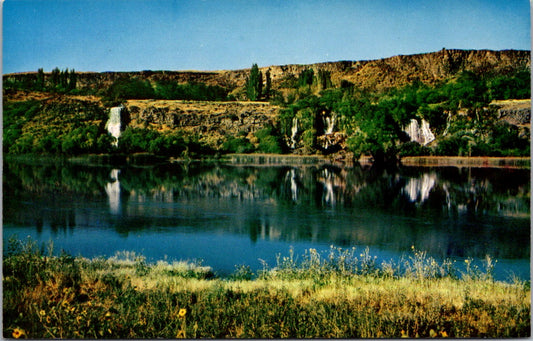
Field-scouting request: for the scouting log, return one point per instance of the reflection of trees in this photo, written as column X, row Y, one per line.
column 455, row 211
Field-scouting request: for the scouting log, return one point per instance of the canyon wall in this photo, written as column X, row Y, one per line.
column 376, row 74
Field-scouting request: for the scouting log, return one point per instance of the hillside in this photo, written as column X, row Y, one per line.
column 371, row 75
column 446, row 103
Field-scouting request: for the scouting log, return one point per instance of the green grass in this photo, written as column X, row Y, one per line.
column 340, row 294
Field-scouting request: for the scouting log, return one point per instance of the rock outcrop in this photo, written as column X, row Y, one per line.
column 214, row 119
column 515, row 112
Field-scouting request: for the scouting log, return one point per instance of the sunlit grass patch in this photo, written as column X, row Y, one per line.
column 339, row 294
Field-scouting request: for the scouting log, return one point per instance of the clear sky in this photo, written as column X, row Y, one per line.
column 134, row 35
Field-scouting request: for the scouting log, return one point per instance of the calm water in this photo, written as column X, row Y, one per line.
column 230, row 215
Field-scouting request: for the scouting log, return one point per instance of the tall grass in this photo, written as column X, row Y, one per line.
column 340, row 293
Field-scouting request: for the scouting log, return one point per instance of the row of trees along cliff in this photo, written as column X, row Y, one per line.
column 351, row 108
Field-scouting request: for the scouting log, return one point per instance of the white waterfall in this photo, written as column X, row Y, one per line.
column 418, row 189
column 329, row 124
column 114, row 124
column 113, row 192
column 294, row 131
column 421, row 134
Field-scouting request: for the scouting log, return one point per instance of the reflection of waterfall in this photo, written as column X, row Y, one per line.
column 294, row 131
column 418, row 189
column 421, row 134
column 294, row 185
column 114, row 124
column 113, row 191
column 327, row 181
column 329, row 124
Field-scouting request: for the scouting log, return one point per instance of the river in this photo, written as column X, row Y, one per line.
column 228, row 215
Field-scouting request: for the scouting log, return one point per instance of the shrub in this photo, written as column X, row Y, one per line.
column 237, row 145
column 413, row 148
column 129, row 88
column 190, row 91
column 269, row 142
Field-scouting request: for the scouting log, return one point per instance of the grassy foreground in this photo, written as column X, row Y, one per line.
column 340, row 294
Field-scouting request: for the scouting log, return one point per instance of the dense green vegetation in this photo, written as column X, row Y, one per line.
column 339, row 294
column 457, row 110
column 76, row 127
column 371, row 123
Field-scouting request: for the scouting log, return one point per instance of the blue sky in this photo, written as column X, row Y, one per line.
column 134, row 35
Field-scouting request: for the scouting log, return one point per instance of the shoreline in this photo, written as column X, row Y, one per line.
column 468, row 161
column 262, row 159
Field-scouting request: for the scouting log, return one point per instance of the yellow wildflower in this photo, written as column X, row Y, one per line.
column 443, row 333
column 18, row 333
column 42, row 313
column 182, row 312
column 405, row 335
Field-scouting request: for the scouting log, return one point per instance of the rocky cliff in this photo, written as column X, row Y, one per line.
column 371, row 74
column 211, row 121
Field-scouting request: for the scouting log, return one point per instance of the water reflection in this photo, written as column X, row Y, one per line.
column 418, row 189
column 450, row 212
column 112, row 189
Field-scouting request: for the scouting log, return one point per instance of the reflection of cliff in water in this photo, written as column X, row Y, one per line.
column 451, row 211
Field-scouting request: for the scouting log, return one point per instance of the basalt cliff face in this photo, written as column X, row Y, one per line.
column 213, row 119
column 377, row 74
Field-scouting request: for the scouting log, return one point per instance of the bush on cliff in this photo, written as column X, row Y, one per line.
column 191, row 91
column 237, row 145
column 129, row 88
column 269, row 141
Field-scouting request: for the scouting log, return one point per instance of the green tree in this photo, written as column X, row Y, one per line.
column 306, row 77
column 55, row 77
column 39, row 84
column 269, row 141
column 377, row 134
column 268, row 85
column 324, row 79
column 73, row 78
column 516, row 86
column 254, row 83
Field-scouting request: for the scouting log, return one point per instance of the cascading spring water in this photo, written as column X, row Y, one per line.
column 114, row 124
column 421, row 134
column 329, row 124
column 294, row 132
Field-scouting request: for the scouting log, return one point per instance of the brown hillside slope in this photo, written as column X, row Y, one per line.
column 372, row 74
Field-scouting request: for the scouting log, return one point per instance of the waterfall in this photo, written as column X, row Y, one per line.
column 294, row 131
column 112, row 189
column 421, row 134
column 114, row 124
column 329, row 124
